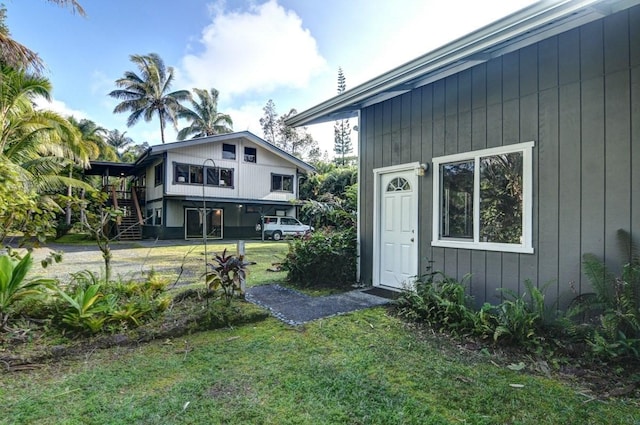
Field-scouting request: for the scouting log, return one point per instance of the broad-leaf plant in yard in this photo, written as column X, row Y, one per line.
column 14, row 287
column 227, row 273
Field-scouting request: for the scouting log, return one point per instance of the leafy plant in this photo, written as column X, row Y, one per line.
column 226, row 274
column 14, row 287
column 619, row 305
column 441, row 301
column 518, row 319
column 83, row 310
column 325, row 258
column 93, row 305
column 609, row 318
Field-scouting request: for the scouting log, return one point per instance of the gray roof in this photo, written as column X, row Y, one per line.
column 520, row 29
column 219, row 138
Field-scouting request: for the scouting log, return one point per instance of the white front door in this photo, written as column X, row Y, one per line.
column 397, row 225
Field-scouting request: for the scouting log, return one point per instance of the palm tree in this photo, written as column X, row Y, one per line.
column 40, row 143
column 17, row 55
column 148, row 94
column 204, row 117
column 94, row 136
column 118, row 141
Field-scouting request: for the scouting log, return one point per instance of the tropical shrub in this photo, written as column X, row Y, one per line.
column 441, row 301
column 83, row 311
column 611, row 315
column 324, row 258
column 90, row 305
column 13, row 285
column 226, row 274
column 520, row 320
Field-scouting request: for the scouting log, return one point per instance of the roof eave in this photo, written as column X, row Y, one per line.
column 159, row 149
column 522, row 28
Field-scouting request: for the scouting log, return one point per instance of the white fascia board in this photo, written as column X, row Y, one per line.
column 524, row 27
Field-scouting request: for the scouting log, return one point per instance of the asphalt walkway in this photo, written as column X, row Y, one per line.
column 295, row 308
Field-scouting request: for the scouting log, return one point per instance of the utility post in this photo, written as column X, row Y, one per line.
column 241, row 252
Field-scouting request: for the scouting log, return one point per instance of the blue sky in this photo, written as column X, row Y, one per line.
column 251, row 51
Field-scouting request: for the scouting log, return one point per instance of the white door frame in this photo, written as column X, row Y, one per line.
column 377, row 177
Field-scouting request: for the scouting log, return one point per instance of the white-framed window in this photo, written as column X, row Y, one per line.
column 281, row 183
column 483, row 199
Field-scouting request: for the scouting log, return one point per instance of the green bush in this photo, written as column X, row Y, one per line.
column 443, row 303
column 13, row 285
column 520, row 318
column 226, row 274
column 324, row 258
column 89, row 305
column 609, row 319
column 440, row 301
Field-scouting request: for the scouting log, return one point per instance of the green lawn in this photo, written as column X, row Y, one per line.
column 364, row 368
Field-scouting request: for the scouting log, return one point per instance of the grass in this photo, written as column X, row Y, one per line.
column 363, row 368
column 181, row 264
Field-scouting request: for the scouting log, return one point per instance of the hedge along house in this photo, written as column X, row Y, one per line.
column 237, row 176
column 506, row 154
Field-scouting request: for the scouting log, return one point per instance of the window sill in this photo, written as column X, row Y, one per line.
column 499, row 247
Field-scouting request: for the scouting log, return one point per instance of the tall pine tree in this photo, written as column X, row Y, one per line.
column 296, row 141
column 342, row 129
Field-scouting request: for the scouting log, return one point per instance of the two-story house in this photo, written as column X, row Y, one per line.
column 233, row 177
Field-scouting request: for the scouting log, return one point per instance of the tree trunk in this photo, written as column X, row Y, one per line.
column 69, row 193
column 161, row 115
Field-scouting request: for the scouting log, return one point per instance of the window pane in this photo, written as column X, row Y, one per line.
column 228, row 151
column 276, row 182
column 501, row 198
column 226, row 177
column 195, row 174
column 287, row 183
column 182, row 173
column 250, row 154
column 457, row 200
column 158, row 174
column 213, row 177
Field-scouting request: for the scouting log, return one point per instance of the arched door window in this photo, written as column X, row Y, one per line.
column 398, row 184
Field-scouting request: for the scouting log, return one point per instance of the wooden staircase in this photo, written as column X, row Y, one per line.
column 129, row 225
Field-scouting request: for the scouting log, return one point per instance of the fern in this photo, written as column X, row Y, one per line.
column 618, row 300
column 601, row 278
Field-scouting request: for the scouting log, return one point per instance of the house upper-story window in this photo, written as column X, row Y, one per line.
column 185, row 173
column 281, row 183
column 228, row 151
column 483, row 199
column 222, row 177
column 249, row 154
column 194, row 174
column 158, row 172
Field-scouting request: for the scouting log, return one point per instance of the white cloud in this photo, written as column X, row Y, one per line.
column 258, row 50
column 59, row 107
